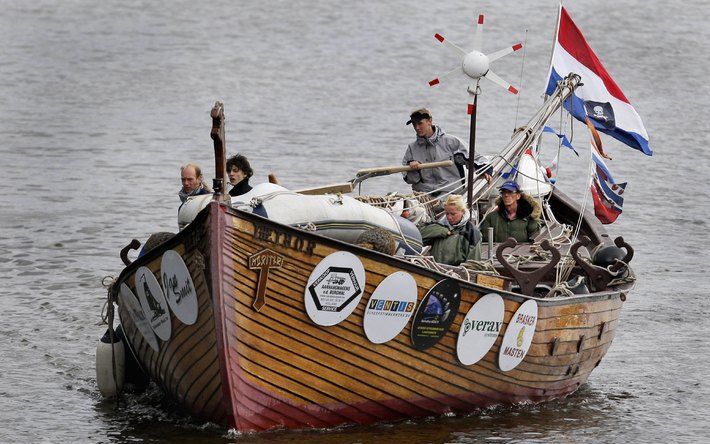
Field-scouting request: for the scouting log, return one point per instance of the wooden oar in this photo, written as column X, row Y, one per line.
column 384, row 171
column 345, row 187
column 367, row 173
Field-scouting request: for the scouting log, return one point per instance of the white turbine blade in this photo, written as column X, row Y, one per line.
column 478, row 37
column 493, row 77
column 504, row 52
column 447, row 43
column 438, row 80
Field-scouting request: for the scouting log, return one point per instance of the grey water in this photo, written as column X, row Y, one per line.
column 101, row 102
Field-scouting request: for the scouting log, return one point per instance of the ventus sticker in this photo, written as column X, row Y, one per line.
column 390, row 307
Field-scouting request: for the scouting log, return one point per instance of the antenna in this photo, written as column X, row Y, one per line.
column 475, row 65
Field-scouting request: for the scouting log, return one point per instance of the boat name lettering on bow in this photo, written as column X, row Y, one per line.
column 280, row 237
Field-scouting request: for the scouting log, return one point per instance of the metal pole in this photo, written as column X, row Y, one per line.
column 490, row 242
column 472, row 146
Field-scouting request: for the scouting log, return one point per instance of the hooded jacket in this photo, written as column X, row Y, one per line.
column 455, row 244
column 439, row 147
column 522, row 228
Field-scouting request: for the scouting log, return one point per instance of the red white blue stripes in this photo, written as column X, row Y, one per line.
column 606, row 192
column 572, row 54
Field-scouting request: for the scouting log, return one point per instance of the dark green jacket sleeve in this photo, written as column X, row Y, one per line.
column 431, row 232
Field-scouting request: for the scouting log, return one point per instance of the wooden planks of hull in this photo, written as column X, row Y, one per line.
column 187, row 365
column 257, row 370
column 291, row 370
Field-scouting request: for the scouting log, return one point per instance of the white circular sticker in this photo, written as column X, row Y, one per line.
column 480, row 328
column 334, row 288
column 179, row 288
column 390, row 307
column 129, row 300
column 518, row 336
column 153, row 302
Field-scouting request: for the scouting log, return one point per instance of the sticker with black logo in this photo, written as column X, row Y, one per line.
column 435, row 314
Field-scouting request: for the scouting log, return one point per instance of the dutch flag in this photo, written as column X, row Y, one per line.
column 599, row 98
column 607, row 193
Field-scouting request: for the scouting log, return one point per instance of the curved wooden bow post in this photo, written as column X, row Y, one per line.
column 134, row 245
column 527, row 280
column 220, row 156
column 599, row 277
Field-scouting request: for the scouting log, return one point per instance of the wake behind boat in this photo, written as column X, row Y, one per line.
column 268, row 311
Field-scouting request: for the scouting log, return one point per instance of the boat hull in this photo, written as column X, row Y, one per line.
column 257, row 369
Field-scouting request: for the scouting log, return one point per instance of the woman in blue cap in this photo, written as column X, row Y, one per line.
column 517, row 215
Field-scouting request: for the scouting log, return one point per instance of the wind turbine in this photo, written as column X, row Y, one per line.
column 475, row 64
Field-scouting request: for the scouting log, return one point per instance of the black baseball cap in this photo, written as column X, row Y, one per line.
column 420, row 114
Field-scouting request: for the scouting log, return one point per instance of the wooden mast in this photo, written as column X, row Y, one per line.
column 220, row 157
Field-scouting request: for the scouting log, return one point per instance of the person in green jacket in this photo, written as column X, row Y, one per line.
column 517, row 215
column 454, row 238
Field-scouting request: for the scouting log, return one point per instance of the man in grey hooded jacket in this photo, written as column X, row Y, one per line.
column 433, row 145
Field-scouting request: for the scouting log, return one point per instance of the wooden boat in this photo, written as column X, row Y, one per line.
column 266, row 325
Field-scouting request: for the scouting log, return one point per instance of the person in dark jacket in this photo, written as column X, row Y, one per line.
column 192, row 182
column 454, row 238
column 239, row 172
column 517, row 215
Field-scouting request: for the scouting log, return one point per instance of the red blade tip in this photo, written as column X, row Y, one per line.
column 439, row 37
column 517, row 46
column 512, row 89
column 433, row 82
column 480, row 19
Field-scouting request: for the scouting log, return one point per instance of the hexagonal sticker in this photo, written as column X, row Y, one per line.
column 334, row 288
